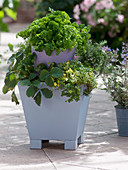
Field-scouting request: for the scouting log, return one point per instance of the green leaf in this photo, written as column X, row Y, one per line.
column 25, row 82
column 3, row 26
column 30, row 91
column 10, row 80
column 10, row 47
column 47, row 93
column 32, row 76
column 11, row 13
column 11, row 59
column 41, row 66
column 37, row 98
column 49, row 81
column 35, row 83
column 43, row 75
column 27, row 61
column 19, row 54
column 56, row 72
column 1, row 14
column 5, row 89
column 14, row 98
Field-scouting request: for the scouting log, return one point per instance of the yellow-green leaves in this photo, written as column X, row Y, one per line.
column 10, row 47
column 11, row 13
column 1, row 14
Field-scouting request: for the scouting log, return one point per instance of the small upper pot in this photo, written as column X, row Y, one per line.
column 42, row 57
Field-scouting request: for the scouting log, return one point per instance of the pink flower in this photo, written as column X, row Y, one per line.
column 99, row 6
column 108, row 4
column 86, row 5
column 76, row 9
column 75, row 57
column 76, row 16
column 91, row 20
column 101, row 21
column 92, row 23
column 104, row 4
column 120, row 18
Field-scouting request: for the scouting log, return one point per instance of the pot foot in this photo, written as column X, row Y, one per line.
column 81, row 139
column 36, row 144
column 70, row 145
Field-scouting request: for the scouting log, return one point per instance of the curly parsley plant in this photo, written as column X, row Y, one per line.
column 56, row 32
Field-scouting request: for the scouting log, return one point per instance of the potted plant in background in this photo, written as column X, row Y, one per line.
column 116, row 82
column 47, row 75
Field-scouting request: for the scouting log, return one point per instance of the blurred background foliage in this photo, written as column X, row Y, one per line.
column 9, row 8
column 108, row 18
column 64, row 5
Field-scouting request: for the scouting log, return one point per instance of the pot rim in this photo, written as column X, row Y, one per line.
column 119, row 107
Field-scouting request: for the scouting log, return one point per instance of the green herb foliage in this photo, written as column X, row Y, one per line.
column 56, row 32
column 115, row 76
column 68, row 77
column 94, row 56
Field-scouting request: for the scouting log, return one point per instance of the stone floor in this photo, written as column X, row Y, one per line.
column 102, row 149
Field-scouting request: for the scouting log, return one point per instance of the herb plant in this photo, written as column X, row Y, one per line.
column 116, row 75
column 94, row 56
column 52, row 32
column 69, row 77
column 56, row 32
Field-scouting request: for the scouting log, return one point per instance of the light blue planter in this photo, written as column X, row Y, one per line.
column 42, row 57
column 55, row 119
column 122, row 121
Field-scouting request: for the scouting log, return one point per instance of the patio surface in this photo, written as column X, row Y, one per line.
column 102, row 149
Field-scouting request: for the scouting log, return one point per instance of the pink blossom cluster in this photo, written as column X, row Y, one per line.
column 86, row 4
column 102, row 21
column 97, row 5
column 120, row 18
column 91, row 21
column 104, row 4
column 76, row 11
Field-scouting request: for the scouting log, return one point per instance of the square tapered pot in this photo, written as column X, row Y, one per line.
column 122, row 121
column 55, row 119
